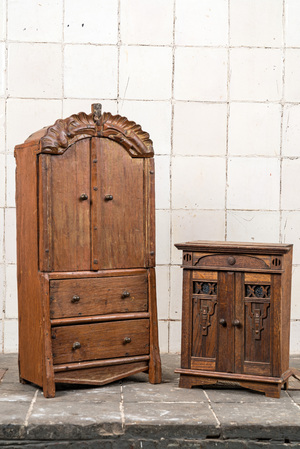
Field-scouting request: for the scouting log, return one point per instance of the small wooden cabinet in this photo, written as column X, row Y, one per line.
column 86, row 252
column 236, row 315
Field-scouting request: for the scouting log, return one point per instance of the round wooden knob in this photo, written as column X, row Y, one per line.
column 76, row 345
column 125, row 294
column 231, row 260
column 83, row 196
column 236, row 323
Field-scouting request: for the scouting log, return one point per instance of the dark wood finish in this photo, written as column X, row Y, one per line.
column 236, row 307
column 186, row 319
column 226, row 261
column 86, row 252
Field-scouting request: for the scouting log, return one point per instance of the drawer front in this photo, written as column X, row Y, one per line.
column 98, row 296
column 231, row 261
column 100, row 341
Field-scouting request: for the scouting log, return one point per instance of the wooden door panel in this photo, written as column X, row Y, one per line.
column 204, row 321
column 64, row 216
column 226, row 293
column 119, row 240
column 256, row 326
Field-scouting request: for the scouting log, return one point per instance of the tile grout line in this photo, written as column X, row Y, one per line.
column 63, row 59
column 281, row 124
column 211, row 408
column 293, row 401
column 94, row 44
column 119, row 43
column 162, row 100
column 122, row 409
column 170, row 174
column 29, row 412
column 227, row 126
column 5, row 184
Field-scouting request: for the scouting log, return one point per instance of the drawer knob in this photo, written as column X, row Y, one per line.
column 236, row 323
column 125, row 294
column 108, row 197
column 75, row 298
column 76, row 345
column 127, row 340
column 231, row 260
column 222, row 322
column 83, row 196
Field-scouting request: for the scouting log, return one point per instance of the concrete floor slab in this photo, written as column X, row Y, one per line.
column 134, row 414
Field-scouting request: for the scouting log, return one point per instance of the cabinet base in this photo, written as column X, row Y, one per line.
column 100, row 372
column 270, row 386
column 101, row 375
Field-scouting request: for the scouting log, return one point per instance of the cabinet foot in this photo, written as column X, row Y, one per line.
column 271, row 388
column 49, row 389
column 194, row 381
column 23, row 381
column 155, row 369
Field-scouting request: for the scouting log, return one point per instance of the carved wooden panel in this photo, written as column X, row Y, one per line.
column 204, row 311
column 258, row 298
column 67, row 131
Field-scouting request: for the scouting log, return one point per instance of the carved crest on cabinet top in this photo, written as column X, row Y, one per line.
column 65, row 132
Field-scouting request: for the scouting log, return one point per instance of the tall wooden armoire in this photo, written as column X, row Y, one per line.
column 86, row 252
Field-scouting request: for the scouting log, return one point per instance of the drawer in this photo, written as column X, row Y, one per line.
column 100, row 341
column 232, row 261
column 98, row 296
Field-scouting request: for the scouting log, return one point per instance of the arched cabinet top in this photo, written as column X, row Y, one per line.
column 57, row 138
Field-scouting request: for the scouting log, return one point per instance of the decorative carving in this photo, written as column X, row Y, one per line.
column 257, row 316
column 205, row 288
column 258, row 291
column 68, row 131
column 187, row 258
column 206, row 311
column 129, row 134
column 276, row 262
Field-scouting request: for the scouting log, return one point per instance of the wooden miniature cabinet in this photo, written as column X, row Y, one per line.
column 86, row 252
column 236, row 315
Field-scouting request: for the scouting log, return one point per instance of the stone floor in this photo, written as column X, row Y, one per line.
column 135, row 414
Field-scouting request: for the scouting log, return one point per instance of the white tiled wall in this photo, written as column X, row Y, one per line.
column 214, row 82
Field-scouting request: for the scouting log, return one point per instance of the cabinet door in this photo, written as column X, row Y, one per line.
column 64, row 216
column 253, row 332
column 118, row 217
column 204, row 313
column 226, row 349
